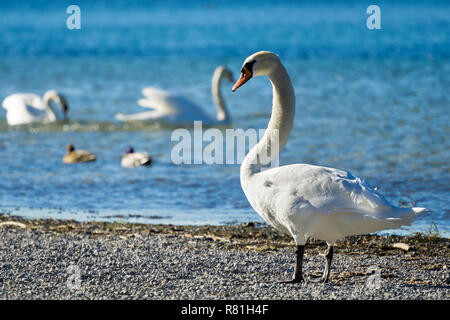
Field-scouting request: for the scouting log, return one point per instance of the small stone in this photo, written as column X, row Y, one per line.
column 401, row 246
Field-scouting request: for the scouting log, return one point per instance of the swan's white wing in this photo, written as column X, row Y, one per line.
column 327, row 203
column 150, row 92
column 165, row 106
column 326, row 189
column 332, row 190
column 24, row 108
column 158, row 99
column 18, row 99
column 170, row 104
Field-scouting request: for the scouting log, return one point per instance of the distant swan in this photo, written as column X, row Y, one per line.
column 77, row 156
column 23, row 108
column 133, row 159
column 173, row 108
column 304, row 200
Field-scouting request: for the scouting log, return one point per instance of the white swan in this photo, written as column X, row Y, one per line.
column 132, row 159
column 175, row 109
column 23, row 108
column 305, row 200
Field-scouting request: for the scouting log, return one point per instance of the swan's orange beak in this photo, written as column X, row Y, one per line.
column 245, row 76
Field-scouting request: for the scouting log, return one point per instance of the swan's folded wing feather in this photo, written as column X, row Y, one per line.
column 160, row 100
column 150, row 92
column 23, row 99
column 168, row 103
column 325, row 203
column 24, row 108
column 330, row 190
column 359, row 194
column 338, row 190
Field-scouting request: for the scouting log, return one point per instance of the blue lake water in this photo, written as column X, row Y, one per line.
column 375, row 102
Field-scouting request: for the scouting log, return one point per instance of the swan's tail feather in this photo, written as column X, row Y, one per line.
column 411, row 213
column 405, row 216
column 419, row 210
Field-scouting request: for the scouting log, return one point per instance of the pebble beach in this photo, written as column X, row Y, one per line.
column 65, row 259
column 95, row 91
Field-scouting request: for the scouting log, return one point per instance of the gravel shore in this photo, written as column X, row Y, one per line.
column 56, row 259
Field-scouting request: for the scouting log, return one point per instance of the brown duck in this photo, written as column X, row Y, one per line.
column 77, row 156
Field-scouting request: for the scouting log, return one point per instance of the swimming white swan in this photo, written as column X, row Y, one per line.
column 23, row 108
column 132, row 159
column 305, row 200
column 173, row 108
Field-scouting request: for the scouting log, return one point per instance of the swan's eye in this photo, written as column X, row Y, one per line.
column 249, row 66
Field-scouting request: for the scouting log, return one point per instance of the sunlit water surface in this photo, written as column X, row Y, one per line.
column 372, row 102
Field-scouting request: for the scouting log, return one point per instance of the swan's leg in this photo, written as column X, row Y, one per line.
column 298, row 277
column 328, row 257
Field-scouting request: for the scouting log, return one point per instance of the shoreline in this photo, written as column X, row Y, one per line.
column 155, row 261
column 239, row 235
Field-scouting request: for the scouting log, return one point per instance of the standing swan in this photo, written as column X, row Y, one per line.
column 173, row 108
column 23, row 108
column 305, row 200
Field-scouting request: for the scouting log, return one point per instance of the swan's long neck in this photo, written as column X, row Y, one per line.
column 222, row 112
column 50, row 113
column 279, row 127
